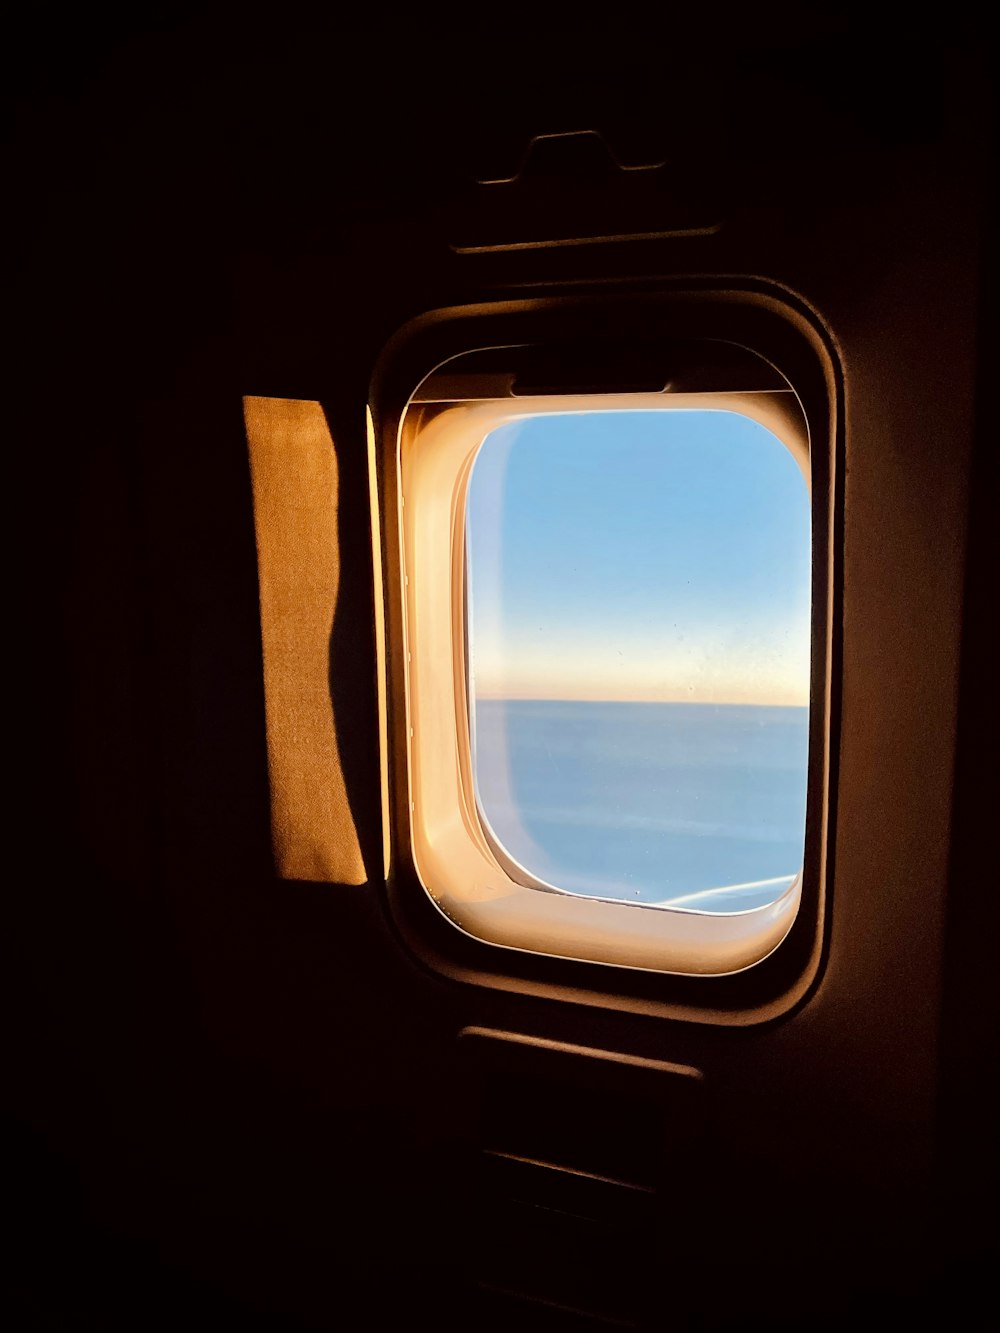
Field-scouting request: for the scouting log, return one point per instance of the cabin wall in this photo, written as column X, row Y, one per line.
column 237, row 1096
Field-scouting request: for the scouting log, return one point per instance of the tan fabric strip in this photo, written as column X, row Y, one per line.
column 293, row 466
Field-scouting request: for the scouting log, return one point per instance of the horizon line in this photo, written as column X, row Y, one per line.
column 491, row 696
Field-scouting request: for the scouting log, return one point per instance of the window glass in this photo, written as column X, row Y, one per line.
column 638, row 629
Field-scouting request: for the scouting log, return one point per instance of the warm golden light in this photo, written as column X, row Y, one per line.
column 454, row 852
column 383, row 712
column 293, row 467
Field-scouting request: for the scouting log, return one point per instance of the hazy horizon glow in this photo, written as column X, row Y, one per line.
column 659, row 556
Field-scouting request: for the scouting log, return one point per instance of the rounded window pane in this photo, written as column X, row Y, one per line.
column 638, row 621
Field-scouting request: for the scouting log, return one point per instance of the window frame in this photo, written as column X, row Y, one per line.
column 768, row 327
column 454, row 854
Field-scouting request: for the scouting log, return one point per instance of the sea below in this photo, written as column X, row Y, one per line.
column 699, row 806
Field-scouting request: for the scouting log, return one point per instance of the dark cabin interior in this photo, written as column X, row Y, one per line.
column 236, row 1098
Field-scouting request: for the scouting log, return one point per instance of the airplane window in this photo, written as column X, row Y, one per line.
column 638, row 626
column 607, row 622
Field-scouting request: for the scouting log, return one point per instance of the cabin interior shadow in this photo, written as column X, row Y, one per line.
column 243, row 1092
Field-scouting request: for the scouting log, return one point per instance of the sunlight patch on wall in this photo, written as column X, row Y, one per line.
column 293, row 467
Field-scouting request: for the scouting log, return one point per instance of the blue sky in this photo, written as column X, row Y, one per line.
column 639, row 555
